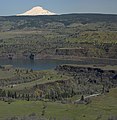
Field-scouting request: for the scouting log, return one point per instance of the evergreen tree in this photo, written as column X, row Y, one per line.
column 15, row 95
column 82, row 98
column 28, row 97
column 4, row 93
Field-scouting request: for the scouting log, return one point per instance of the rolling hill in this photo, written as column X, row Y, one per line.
column 93, row 35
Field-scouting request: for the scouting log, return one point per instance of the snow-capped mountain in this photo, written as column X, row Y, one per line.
column 36, row 11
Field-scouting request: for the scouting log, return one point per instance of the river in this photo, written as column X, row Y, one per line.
column 45, row 64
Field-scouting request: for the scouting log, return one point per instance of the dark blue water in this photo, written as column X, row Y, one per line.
column 50, row 64
column 35, row 64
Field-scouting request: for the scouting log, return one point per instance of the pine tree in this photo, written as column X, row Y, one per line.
column 8, row 94
column 4, row 93
column 82, row 98
column 28, row 97
column 15, row 95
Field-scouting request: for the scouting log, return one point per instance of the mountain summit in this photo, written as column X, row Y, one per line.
column 36, row 11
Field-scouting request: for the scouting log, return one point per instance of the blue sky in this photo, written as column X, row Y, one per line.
column 12, row 7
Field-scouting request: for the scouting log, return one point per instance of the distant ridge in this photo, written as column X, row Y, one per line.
column 36, row 11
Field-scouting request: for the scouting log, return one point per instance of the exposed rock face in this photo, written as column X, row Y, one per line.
column 72, row 51
column 77, row 69
column 91, row 74
column 32, row 56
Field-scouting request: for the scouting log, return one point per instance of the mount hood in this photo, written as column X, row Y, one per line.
column 36, row 11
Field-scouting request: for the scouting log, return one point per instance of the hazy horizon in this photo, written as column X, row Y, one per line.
column 60, row 6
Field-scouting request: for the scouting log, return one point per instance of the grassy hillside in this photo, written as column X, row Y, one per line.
column 62, row 84
column 101, row 107
column 42, row 35
column 56, row 91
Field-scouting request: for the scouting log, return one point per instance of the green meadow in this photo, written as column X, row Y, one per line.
column 101, row 107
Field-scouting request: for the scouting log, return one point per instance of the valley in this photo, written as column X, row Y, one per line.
column 58, row 67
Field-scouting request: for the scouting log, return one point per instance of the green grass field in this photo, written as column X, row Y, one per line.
column 48, row 76
column 101, row 107
column 6, row 74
